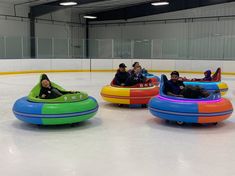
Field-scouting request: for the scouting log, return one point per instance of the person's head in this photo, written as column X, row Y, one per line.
column 136, row 64
column 122, row 67
column 174, row 76
column 45, row 82
column 137, row 69
column 207, row 73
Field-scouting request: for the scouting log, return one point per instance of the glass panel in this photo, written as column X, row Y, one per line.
column 157, row 48
column 169, row 48
column 13, row 47
column 182, row 48
column 117, row 48
column 216, row 47
column 77, row 49
column 26, row 47
column 93, row 48
column 229, row 47
column 105, row 48
column 61, row 48
column 2, row 47
column 126, row 48
column 44, row 48
column 142, row 49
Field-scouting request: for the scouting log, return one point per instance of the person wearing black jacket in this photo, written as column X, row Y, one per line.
column 136, row 77
column 48, row 91
column 121, row 75
column 176, row 87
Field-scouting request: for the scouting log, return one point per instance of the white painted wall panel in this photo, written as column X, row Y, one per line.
column 200, row 65
column 229, row 66
column 163, row 64
column 34, row 64
column 66, row 64
column 101, row 64
column 14, row 65
column 86, row 64
column 116, row 62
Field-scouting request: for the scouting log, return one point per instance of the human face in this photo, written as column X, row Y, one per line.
column 137, row 65
column 122, row 69
column 45, row 83
column 137, row 70
column 174, row 78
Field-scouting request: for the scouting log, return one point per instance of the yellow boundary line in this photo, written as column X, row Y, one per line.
column 67, row 71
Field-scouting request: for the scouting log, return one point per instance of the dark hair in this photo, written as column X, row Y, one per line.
column 44, row 77
column 208, row 72
column 138, row 67
column 175, row 73
column 122, row 65
column 134, row 64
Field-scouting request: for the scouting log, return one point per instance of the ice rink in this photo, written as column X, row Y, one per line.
column 118, row 141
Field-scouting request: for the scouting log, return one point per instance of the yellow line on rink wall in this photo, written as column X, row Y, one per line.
column 61, row 71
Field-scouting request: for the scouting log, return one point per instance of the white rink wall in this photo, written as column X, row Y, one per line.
column 19, row 65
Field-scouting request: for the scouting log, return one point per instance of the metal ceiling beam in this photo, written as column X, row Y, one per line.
column 148, row 9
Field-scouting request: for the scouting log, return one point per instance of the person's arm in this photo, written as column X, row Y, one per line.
column 169, row 90
column 181, row 85
column 116, row 79
column 171, row 94
column 143, row 78
column 42, row 93
column 129, row 81
column 67, row 92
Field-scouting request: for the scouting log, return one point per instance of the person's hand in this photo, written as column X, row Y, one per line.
column 43, row 96
column 180, row 79
column 181, row 87
column 122, row 84
column 179, row 96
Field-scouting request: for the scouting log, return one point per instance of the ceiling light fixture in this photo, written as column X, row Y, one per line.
column 160, row 3
column 68, row 3
column 89, row 17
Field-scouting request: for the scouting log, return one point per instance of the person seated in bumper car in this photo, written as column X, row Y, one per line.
column 48, row 91
column 136, row 77
column 176, row 87
column 121, row 76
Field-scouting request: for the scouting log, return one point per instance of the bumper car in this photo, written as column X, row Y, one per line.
column 210, row 86
column 67, row 109
column 211, row 109
column 138, row 94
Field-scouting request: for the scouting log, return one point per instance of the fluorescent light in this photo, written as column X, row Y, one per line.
column 160, row 3
column 89, row 17
column 68, row 3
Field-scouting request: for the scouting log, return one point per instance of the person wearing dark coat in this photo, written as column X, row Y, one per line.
column 48, row 91
column 207, row 76
column 137, row 64
column 121, row 76
column 176, row 87
column 136, row 77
